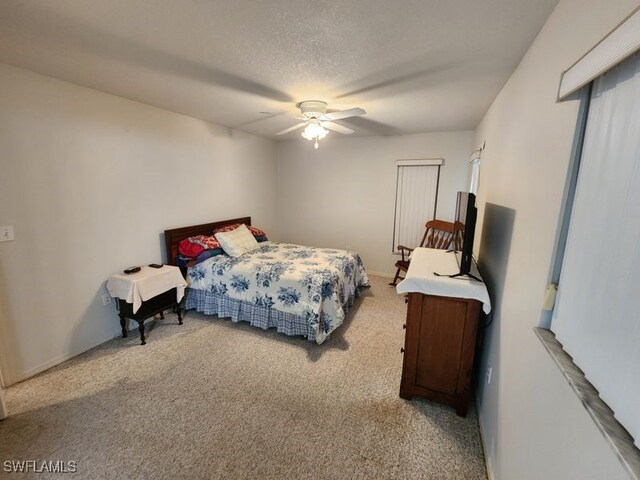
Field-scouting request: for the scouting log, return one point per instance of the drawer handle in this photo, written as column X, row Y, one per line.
column 404, row 326
column 402, row 350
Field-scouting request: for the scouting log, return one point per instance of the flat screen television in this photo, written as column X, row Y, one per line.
column 464, row 227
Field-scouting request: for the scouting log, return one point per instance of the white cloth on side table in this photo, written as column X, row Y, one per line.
column 421, row 278
column 147, row 283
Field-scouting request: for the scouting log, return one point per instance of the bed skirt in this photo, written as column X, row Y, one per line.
column 223, row 306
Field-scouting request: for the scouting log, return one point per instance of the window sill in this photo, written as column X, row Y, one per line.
column 615, row 434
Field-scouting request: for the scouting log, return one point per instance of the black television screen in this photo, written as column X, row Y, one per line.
column 464, row 229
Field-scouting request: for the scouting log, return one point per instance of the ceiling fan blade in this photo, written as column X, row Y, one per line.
column 291, row 129
column 371, row 126
column 352, row 112
column 337, row 128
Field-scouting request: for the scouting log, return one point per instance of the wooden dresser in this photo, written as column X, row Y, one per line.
column 441, row 330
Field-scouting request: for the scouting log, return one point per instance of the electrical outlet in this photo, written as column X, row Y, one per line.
column 106, row 299
column 489, row 371
column 6, row 234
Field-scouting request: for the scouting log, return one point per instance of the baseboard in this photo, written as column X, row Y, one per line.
column 58, row 360
column 487, row 459
column 117, row 333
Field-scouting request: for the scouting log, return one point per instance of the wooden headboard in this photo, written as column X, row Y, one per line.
column 173, row 237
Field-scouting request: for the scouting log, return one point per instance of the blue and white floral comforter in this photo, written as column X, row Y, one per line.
column 299, row 290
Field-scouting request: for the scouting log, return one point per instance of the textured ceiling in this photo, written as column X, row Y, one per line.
column 414, row 65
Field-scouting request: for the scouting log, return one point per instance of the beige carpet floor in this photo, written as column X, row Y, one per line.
column 214, row 399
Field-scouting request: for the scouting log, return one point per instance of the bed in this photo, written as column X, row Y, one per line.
column 299, row 290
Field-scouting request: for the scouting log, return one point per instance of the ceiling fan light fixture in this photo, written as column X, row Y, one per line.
column 314, row 131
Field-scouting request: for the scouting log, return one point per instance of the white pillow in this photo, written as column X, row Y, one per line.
column 238, row 241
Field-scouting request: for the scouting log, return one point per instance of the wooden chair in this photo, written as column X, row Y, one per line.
column 437, row 234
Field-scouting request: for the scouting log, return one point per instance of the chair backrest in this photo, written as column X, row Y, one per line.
column 437, row 234
column 458, row 236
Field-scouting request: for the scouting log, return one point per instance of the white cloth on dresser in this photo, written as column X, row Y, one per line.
column 421, row 278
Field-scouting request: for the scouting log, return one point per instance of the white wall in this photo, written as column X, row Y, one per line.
column 343, row 194
column 533, row 424
column 90, row 181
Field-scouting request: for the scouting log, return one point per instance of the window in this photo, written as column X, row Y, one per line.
column 416, row 199
column 597, row 312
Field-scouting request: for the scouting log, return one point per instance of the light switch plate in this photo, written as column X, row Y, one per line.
column 6, row 234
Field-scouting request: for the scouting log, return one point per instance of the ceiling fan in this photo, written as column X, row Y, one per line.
column 317, row 122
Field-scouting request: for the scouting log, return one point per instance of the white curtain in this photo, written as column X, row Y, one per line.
column 415, row 202
column 597, row 313
column 475, row 176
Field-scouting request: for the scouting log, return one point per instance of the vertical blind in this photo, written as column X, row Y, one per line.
column 597, row 313
column 416, row 195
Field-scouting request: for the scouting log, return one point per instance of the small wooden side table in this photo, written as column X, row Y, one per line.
column 143, row 294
